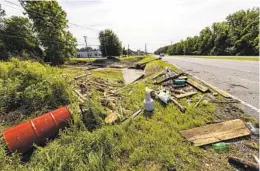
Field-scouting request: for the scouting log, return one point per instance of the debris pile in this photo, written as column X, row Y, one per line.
column 176, row 86
column 108, row 93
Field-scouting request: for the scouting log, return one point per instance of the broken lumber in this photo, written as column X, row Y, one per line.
column 250, row 166
column 161, row 73
column 198, row 86
column 80, row 76
column 216, row 132
column 185, row 95
column 80, row 95
column 221, row 92
column 225, row 101
column 136, row 113
column 169, row 78
column 198, row 102
column 182, row 109
column 256, row 159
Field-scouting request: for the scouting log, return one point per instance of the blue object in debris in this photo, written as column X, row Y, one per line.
column 179, row 81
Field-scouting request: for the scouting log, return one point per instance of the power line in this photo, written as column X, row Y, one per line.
column 8, row 35
column 36, row 12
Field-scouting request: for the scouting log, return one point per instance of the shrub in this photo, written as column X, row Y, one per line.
column 31, row 88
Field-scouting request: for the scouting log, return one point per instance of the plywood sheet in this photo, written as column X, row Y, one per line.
column 216, row 132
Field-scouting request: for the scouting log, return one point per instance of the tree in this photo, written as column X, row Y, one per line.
column 220, row 37
column 109, row 43
column 238, row 35
column 244, row 30
column 85, row 49
column 161, row 50
column 18, row 37
column 124, row 51
column 205, row 41
column 3, row 53
column 50, row 23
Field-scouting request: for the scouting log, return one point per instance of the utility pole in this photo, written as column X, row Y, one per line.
column 85, row 38
column 145, row 50
column 128, row 50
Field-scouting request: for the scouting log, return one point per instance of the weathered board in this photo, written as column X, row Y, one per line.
column 197, row 85
column 216, row 132
column 179, row 96
column 221, row 92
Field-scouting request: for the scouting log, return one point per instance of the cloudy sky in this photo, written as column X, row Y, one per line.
column 136, row 22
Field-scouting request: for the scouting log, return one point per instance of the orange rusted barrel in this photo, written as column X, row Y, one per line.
column 21, row 137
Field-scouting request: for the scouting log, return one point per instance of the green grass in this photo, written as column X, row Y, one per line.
column 112, row 75
column 73, row 61
column 80, row 60
column 246, row 58
column 150, row 141
column 130, row 57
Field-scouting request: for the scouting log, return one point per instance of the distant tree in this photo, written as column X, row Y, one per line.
column 244, row 31
column 161, row 50
column 3, row 53
column 85, row 49
column 124, row 51
column 109, row 43
column 220, row 38
column 238, row 35
column 50, row 23
column 18, row 37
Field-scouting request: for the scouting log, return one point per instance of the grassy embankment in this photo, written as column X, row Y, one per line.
column 244, row 58
column 149, row 142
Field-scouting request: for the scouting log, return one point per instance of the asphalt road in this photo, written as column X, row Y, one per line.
column 238, row 78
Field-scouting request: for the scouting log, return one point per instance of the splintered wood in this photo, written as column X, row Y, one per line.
column 197, row 86
column 185, row 95
column 216, row 132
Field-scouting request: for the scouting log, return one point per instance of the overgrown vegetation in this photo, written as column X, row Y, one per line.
column 238, row 35
column 150, row 141
column 243, row 58
column 30, row 88
column 41, row 36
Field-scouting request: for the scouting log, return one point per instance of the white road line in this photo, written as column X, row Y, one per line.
column 241, row 101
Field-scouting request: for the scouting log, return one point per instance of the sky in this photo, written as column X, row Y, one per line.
column 155, row 23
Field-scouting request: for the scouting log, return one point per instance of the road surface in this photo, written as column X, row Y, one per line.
column 238, row 78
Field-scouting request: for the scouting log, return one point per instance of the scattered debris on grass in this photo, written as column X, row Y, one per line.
column 242, row 163
column 153, row 140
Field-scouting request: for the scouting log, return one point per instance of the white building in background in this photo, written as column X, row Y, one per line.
column 89, row 54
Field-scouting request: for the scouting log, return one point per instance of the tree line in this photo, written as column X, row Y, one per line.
column 237, row 35
column 42, row 35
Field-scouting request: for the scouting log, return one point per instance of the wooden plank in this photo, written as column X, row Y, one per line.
column 161, row 73
column 197, row 85
column 169, row 78
column 81, row 76
column 222, row 93
column 80, row 95
column 198, row 102
column 136, row 113
column 182, row 109
column 216, row 132
column 185, row 95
